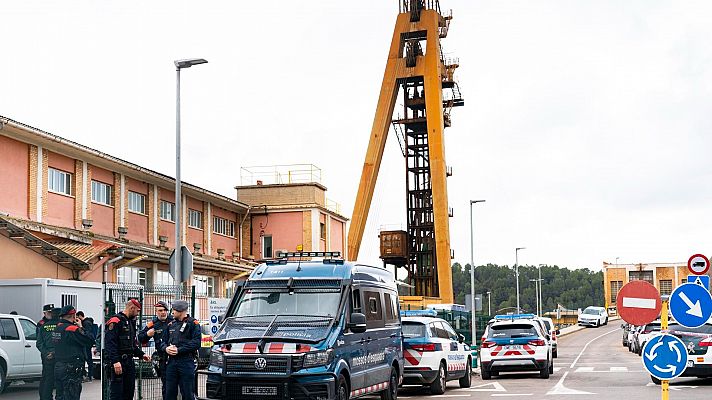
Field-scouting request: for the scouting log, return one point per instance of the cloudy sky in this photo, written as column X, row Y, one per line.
column 587, row 124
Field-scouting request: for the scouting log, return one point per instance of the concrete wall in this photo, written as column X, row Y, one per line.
column 336, row 236
column 289, row 194
column 136, row 223
column 18, row 261
column 60, row 207
column 285, row 228
column 14, row 177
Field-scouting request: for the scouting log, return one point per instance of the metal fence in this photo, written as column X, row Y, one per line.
column 148, row 384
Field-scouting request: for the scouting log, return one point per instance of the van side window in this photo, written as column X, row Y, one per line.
column 374, row 309
column 391, row 305
column 8, row 330
column 356, row 301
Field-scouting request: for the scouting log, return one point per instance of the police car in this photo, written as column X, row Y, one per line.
column 513, row 344
column 433, row 352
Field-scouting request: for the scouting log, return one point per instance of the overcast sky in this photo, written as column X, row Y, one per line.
column 586, row 124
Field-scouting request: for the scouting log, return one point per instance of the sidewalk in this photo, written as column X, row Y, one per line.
column 29, row 391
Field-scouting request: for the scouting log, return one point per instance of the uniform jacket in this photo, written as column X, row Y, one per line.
column 120, row 339
column 44, row 335
column 185, row 335
column 70, row 341
column 158, row 327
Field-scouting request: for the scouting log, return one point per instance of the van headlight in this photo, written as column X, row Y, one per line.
column 217, row 359
column 318, row 358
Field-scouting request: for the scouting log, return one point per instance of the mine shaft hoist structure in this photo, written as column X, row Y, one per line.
column 418, row 73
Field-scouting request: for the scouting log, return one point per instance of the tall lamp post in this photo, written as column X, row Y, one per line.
column 516, row 272
column 536, row 293
column 541, row 291
column 472, row 274
column 180, row 64
column 489, row 303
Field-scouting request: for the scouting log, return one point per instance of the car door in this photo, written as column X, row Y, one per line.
column 355, row 344
column 377, row 337
column 33, row 360
column 12, row 345
column 456, row 357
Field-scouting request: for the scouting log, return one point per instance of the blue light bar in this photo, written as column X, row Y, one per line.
column 418, row 313
column 515, row 316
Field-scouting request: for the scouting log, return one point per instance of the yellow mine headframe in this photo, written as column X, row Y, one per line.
column 416, row 69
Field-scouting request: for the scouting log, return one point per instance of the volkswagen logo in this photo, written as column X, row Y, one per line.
column 260, row 363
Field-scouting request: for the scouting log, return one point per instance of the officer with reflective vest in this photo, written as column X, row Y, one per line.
column 70, row 342
column 181, row 341
column 154, row 329
column 121, row 346
column 45, row 345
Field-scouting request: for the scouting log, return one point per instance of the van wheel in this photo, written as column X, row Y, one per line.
column 342, row 391
column 3, row 382
column 391, row 393
column 438, row 386
column 466, row 381
column 544, row 372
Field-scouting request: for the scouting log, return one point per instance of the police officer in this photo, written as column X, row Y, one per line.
column 45, row 345
column 154, row 329
column 121, row 347
column 181, row 341
column 70, row 343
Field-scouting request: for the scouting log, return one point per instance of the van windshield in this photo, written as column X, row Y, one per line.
column 311, row 303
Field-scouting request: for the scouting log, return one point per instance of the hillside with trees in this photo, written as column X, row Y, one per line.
column 572, row 288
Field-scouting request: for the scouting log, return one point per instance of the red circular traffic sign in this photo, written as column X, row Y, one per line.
column 638, row 303
column 698, row 264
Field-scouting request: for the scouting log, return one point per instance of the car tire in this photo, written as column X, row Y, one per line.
column 438, row 385
column 606, row 321
column 655, row 380
column 466, row 381
column 544, row 372
column 3, row 383
column 485, row 374
column 391, row 393
column 555, row 353
column 342, row 390
column 551, row 367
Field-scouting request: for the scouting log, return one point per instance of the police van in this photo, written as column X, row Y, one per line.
column 317, row 330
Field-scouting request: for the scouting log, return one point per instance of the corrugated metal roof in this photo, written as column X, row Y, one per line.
column 81, row 251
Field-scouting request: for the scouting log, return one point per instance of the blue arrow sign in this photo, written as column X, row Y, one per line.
column 214, row 329
column 214, row 319
column 702, row 280
column 691, row 305
column 665, row 357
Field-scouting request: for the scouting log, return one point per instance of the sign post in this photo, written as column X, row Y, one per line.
column 665, row 384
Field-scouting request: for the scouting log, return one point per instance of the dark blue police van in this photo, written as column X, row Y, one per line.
column 309, row 330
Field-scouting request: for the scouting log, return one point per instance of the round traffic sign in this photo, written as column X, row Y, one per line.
column 665, row 357
column 691, row 305
column 698, row 264
column 638, row 303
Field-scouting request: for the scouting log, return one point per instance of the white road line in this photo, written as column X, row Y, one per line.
column 591, row 341
column 619, row 369
column 561, row 389
column 584, row 369
column 557, row 369
column 453, row 395
column 511, row 394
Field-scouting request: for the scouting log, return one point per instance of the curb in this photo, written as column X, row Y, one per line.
column 579, row 328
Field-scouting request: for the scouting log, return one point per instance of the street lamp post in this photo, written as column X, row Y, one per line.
column 536, row 293
column 541, row 291
column 516, row 272
column 180, row 64
column 472, row 274
column 489, row 303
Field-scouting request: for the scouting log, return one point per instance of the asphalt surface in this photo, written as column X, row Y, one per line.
column 30, row 391
column 592, row 362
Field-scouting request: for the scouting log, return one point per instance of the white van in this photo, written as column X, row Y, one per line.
column 19, row 357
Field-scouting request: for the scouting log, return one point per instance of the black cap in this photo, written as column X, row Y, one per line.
column 67, row 310
column 162, row 304
column 48, row 307
column 180, row 305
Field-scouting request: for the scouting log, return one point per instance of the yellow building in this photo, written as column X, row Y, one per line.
column 664, row 276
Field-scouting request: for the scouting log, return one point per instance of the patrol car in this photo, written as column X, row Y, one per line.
column 515, row 344
column 309, row 330
column 433, row 352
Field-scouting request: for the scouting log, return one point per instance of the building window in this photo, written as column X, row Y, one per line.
column 322, row 230
column 164, row 278
column 195, row 219
column 230, row 287
column 168, row 211
column 131, row 275
column 223, row 226
column 204, row 285
column 69, row 299
column 665, row 286
column 59, row 181
column 102, row 193
column 615, row 288
column 267, row 247
column 137, row 202
column 641, row 276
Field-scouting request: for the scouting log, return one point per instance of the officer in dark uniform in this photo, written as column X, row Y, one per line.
column 45, row 345
column 181, row 341
column 70, row 343
column 121, row 346
column 154, row 329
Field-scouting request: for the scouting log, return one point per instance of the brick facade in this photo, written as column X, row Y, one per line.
column 79, row 193
column 32, row 206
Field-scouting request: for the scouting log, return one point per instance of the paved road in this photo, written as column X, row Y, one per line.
column 29, row 391
column 591, row 363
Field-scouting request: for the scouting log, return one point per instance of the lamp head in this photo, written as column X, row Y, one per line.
column 189, row 62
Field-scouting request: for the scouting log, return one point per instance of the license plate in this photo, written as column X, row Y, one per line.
column 514, row 347
column 690, row 363
column 259, row 390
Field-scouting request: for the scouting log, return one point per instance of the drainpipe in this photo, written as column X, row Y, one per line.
column 103, row 300
column 242, row 222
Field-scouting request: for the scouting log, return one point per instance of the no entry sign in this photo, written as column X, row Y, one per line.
column 698, row 264
column 638, row 303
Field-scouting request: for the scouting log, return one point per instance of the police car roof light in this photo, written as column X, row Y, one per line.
column 514, row 316
column 419, row 313
column 302, row 254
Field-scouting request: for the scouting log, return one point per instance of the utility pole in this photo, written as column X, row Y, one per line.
column 516, row 272
column 472, row 275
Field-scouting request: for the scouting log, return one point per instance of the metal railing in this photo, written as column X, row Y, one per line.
column 280, row 174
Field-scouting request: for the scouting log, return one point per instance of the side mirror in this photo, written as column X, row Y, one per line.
column 460, row 338
column 358, row 323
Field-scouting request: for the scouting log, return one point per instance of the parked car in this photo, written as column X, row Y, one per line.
column 553, row 332
column 593, row 316
column 513, row 345
column 699, row 344
column 546, row 325
column 626, row 333
column 645, row 333
column 434, row 354
column 19, row 357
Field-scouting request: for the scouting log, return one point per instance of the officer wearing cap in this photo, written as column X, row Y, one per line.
column 70, row 343
column 45, row 345
column 121, row 346
column 154, row 329
column 181, row 341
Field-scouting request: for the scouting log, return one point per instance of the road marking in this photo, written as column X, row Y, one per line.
column 619, row 369
column 584, row 369
column 561, row 389
column 557, row 369
column 496, row 387
column 589, row 342
column 453, row 395
column 636, row 302
column 512, row 394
